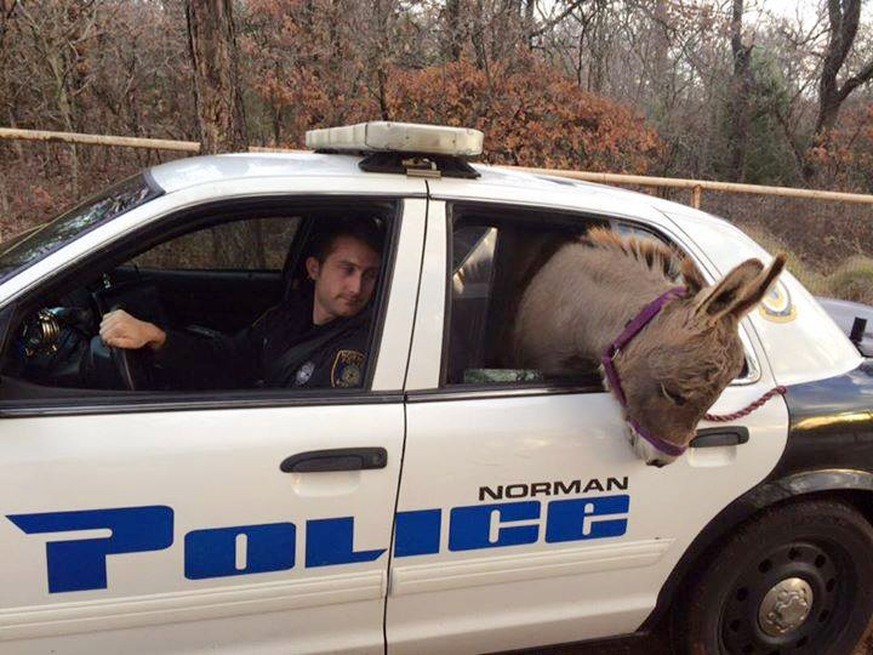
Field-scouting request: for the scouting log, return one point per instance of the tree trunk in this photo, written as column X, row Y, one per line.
column 453, row 30
column 741, row 90
column 529, row 23
column 214, row 55
column 478, row 38
column 599, row 50
column 4, row 206
column 841, row 33
column 60, row 71
column 843, row 19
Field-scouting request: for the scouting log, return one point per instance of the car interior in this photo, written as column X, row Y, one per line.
column 495, row 254
column 210, row 271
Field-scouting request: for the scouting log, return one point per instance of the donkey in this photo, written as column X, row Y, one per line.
column 675, row 365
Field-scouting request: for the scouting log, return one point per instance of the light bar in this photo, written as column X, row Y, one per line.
column 398, row 137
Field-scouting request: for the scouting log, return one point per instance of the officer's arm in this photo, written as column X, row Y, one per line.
column 222, row 362
column 121, row 330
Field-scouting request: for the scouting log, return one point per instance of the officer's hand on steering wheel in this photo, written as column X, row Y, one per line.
column 121, row 330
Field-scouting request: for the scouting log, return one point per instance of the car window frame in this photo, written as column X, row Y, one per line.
column 517, row 212
column 90, row 401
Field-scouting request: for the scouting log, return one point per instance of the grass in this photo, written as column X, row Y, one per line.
column 809, row 277
column 853, row 280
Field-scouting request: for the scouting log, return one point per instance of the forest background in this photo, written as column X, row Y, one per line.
column 730, row 91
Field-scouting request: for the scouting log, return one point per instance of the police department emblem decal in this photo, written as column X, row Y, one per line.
column 776, row 304
column 347, row 369
column 304, row 373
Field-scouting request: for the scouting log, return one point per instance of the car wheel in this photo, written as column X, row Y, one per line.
column 796, row 579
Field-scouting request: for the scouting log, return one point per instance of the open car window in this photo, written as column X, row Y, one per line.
column 494, row 255
column 205, row 277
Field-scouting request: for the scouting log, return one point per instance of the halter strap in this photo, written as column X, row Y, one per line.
column 632, row 329
column 664, row 446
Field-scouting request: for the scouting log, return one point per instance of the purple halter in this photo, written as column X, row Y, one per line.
column 633, row 328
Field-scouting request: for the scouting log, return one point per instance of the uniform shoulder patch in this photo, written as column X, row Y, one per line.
column 347, row 369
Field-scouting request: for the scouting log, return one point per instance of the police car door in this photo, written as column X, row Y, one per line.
column 258, row 521
column 524, row 517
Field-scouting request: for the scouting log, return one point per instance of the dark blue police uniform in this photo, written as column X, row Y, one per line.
column 281, row 349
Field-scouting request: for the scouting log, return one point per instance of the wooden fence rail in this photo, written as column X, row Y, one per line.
column 697, row 187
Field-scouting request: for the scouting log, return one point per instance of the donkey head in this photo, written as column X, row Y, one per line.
column 675, row 369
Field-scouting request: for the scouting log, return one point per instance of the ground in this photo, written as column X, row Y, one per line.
column 655, row 645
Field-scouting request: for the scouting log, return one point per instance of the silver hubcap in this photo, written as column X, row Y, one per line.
column 785, row 607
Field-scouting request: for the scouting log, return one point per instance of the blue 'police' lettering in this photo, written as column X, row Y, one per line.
column 579, row 518
column 80, row 564
column 331, row 541
column 417, row 533
column 213, row 553
column 471, row 526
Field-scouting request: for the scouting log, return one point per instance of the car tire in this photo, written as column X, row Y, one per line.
column 796, row 579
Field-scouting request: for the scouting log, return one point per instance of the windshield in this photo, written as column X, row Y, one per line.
column 28, row 248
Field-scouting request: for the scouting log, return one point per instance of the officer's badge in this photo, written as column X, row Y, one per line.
column 348, row 369
column 304, row 373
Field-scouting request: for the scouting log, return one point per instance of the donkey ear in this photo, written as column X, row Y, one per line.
column 740, row 290
column 759, row 288
column 692, row 276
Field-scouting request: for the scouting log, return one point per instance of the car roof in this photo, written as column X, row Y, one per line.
column 194, row 171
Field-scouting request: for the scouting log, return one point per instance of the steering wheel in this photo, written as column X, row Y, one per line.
column 129, row 370
column 128, row 364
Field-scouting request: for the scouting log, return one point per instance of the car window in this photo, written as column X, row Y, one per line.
column 473, row 254
column 258, row 244
column 750, row 368
column 36, row 244
column 492, row 260
column 233, row 299
column 494, row 255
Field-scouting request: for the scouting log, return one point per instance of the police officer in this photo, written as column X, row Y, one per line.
column 315, row 338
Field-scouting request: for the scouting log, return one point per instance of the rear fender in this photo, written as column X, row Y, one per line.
column 793, row 487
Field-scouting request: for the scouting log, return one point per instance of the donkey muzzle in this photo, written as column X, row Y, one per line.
column 647, row 451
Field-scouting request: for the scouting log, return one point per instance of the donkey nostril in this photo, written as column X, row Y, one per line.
column 657, row 463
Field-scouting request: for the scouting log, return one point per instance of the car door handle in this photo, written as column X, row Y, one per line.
column 729, row 435
column 335, row 459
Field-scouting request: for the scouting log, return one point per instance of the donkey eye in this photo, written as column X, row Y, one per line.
column 673, row 396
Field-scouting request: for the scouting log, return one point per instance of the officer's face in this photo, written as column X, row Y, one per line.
column 344, row 281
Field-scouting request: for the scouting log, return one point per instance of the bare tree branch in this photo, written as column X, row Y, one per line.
column 557, row 19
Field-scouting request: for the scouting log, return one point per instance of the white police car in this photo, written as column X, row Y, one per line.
column 442, row 507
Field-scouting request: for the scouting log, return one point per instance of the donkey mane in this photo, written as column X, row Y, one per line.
column 651, row 254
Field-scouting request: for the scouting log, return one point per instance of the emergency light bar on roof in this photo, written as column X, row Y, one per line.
column 383, row 136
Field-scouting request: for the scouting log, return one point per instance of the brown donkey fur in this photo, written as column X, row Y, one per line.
column 672, row 372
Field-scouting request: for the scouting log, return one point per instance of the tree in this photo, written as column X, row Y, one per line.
column 221, row 117
column 531, row 115
column 741, row 90
column 215, row 59
column 843, row 17
column 453, row 30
